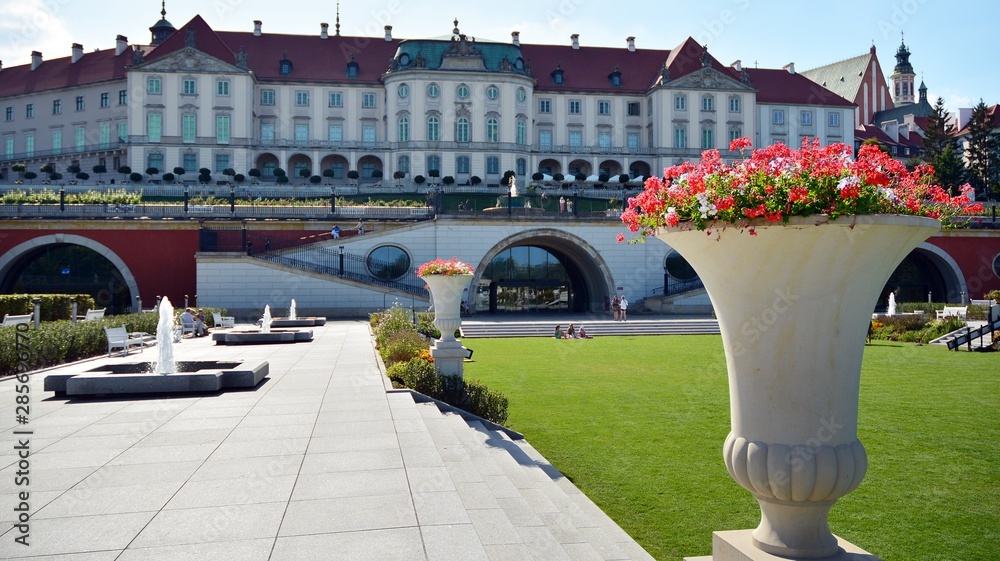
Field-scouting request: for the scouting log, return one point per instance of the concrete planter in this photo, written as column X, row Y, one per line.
column 446, row 293
column 793, row 303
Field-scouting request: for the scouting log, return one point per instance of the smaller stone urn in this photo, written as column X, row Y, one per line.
column 446, row 293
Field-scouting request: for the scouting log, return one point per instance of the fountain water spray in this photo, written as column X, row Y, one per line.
column 265, row 322
column 291, row 311
column 892, row 304
column 165, row 339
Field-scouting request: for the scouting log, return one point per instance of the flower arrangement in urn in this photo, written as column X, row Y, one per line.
column 778, row 182
column 450, row 267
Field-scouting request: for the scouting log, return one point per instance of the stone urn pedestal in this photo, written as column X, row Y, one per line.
column 446, row 293
column 793, row 303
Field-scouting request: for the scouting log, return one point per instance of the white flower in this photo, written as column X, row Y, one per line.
column 849, row 181
column 889, row 194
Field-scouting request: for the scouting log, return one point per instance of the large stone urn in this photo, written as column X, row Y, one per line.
column 793, row 303
column 446, row 293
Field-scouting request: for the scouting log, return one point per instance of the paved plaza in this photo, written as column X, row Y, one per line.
column 321, row 461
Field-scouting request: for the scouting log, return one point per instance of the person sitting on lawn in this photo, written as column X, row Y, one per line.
column 559, row 333
column 583, row 333
column 571, row 332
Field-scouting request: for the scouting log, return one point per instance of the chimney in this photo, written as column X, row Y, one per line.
column 576, row 41
column 515, row 37
column 256, row 28
column 631, row 44
column 324, row 29
column 388, row 33
column 738, row 65
column 121, row 43
column 790, row 67
column 77, row 52
column 36, row 59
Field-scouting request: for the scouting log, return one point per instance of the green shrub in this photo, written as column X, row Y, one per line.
column 396, row 318
column 401, row 346
column 475, row 397
column 914, row 329
column 486, row 403
column 974, row 313
column 425, row 325
column 54, row 306
column 56, row 342
column 417, row 374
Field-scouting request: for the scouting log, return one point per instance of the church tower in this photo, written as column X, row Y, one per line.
column 163, row 28
column 903, row 77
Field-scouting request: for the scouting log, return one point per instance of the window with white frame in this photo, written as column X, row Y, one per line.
column 189, row 128
column 806, row 118
column 189, row 86
column 338, row 170
column 707, row 138
column 522, row 166
column 267, row 97
column 155, row 161
column 122, row 132
column 105, row 99
column 492, row 165
column 403, row 129
column 122, row 97
column 433, row 128
column 545, row 138
column 522, row 131
column 9, row 114
column 57, row 107
column 368, row 133
column 680, row 102
column 462, row 130
column 433, row 163
column 368, row 100
column 680, row 137
column 403, row 91
column 735, row 133
column 267, row 131
column 154, row 127
column 336, row 99
column 301, row 132
column 575, row 138
column 604, row 139
column 633, row 140
column 735, row 104
column 462, row 164
column 777, row 117
column 154, row 86
column 29, row 111
column 521, row 95
column 574, row 107
column 8, row 142
column 403, row 164
column 56, row 141
column 302, row 98
column 834, row 119
column 368, row 170
column 81, row 138
column 80, row 106
column 462, row 91
column 221, row 162
column 633, row 108
column 335, row 133
column 222, row 129
column 190, row 162
column 222, row 88
column 492, row 92
column 544, row 105
column 708, row 103
column 433, row 91
column 492, row 130
column 29, row 145
column 603, row 107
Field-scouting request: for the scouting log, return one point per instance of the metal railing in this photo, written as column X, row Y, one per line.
column 345, row 265
column 214, row 211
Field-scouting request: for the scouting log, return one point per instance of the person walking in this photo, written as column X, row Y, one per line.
column 361, row 226
column 624, row 308
column 615, row 307
column 562, row 204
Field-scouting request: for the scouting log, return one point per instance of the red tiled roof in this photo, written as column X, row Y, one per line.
column 864, row 132
column 55, row 74
column 780, row 86
column 587, row 69
column 993, row 112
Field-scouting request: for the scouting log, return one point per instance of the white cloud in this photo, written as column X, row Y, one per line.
column 33, row 25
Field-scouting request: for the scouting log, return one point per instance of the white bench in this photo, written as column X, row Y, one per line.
column 223, row 321
column 119, row 338
column 9, row 320
column 953, row 311
column 92, row 315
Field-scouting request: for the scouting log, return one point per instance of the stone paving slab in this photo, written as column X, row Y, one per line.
column 317, row 462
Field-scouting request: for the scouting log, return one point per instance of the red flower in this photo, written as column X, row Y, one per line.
column 740, row 144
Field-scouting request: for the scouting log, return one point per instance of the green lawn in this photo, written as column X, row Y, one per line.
column 638, row 424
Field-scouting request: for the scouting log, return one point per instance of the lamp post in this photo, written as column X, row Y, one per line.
column 510, row 198
column 186, row 199
column 38, row 311
column 341, row 260
column 72, row 311
column 333, row 200
column 62, row 200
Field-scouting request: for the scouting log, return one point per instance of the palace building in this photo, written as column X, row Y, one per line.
column 456, row 106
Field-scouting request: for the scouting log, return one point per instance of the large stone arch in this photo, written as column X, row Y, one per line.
column 949, row 270
column 594, row 271
column 14, row 254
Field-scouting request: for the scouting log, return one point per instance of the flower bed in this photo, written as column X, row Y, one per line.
column 449, row 267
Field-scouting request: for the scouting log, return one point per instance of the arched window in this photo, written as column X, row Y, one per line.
column 267, row 170
column 403, row 164
column 433, row 128
column 388, row 262
column 404, row 129
column 367, row 170
column 462, row 130
column 492, row 130
column 522, row 166
column 522, row 131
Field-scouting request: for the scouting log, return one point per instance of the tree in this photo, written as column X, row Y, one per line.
column 82, row 175
column 239, row 178
column 329, row 173
column 315, row 179
column 877, row 143
column 254, row 173
column 279, row 173
column 179, row 171
column 419, row 179
column 168, row 178
column 558, row 177
column 281, row 179
column 353, row 174
column 229, row 172
column 475, row 180
column 447, row 180
column 434, row 173
column 304, row 172
column 100, row 170
column 537, row 176
column 603, row 178
column 135, row 177
column 398, row 174
column 205, row 178
column 983, row 154
column 55, row 176
column 204, row 171
column 580, row 176
column 940, row 148
column 125, row 171
column 152, row 171
column 48, row 168
column 29, row 175
column 623, row 178
column 377, row 174
column 73, row 168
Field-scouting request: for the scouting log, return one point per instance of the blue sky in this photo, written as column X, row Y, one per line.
column 950, row 45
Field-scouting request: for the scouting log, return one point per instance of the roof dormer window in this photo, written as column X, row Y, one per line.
column 353, row 69
column 285, row 65
column 557, row 75
column 615, row 78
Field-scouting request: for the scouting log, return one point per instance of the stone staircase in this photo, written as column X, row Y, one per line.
column 498, row 498
column 540, row 328
column 968, row 336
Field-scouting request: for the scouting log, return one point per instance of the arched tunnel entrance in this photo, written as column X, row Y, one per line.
column 926, row 274
column 67, row 268
column 541, row 272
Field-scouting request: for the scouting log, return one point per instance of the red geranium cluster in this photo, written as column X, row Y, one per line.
column 778, row 182
column 444, row 267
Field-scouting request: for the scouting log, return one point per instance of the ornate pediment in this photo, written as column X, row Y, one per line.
column 708, row 79
column 463, row 54
column 190, row 60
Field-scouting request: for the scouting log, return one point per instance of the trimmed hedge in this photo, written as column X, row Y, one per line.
column 54, row 306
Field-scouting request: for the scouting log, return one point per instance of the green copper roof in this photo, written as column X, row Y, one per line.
column 430, row 54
